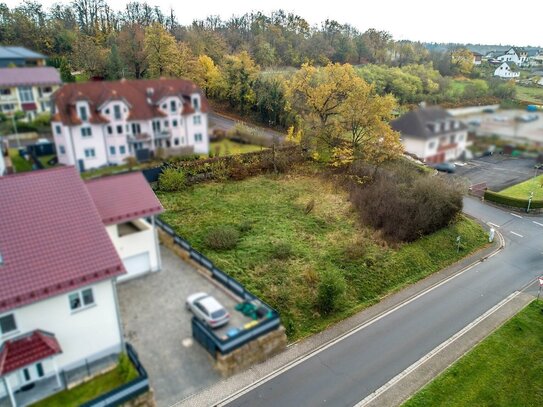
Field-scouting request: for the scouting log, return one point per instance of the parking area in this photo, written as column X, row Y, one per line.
column 156, row 322
column 498, row 171
column 504, row 123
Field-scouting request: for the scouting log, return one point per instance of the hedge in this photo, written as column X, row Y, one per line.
column 513, row 202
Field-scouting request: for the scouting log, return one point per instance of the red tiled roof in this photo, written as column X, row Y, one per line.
column 52, row 239
column 28, row 76
column 143, row 106
column 27, row 349
column 120, row 198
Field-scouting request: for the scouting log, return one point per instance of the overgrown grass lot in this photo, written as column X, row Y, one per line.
column 530, row 94
column 295, row 240
column 523, row 189
column 506, row 369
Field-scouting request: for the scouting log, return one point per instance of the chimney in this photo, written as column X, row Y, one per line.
column 150, row 92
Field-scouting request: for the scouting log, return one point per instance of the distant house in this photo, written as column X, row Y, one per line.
column 506, row 70
column 27, row 89
column 515, row 55
column 432, row 134
column 58, row 266
column 124, row 202
column 477, row 58
column 19, row 56
column 97, row 124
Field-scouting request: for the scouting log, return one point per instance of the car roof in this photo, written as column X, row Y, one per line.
column 210, row 303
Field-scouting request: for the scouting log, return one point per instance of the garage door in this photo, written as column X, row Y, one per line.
column 136, row 265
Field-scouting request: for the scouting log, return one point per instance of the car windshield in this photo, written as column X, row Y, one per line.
column 218, row 314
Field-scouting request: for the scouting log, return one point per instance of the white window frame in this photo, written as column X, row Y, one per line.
column 197, row 119
column 61, row 149
column 198, row 137
column 117, row 109
column 26, row 95
column 122, row 150
column 79, row 297
column 86, row 132
column 90, row 153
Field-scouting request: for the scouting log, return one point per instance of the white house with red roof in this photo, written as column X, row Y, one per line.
column 124, row 203
column 97, row 124
column 27, row 89
column 58, row 268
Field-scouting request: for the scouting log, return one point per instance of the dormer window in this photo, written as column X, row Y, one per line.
column 196, row 103
column 117, row 112
column 173, row 106
column 83, row 113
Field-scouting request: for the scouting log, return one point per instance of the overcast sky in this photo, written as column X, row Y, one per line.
column 461, row 21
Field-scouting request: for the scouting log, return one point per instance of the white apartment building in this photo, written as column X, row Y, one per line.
column 96, row 124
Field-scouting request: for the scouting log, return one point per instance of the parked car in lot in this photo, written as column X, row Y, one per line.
column 526, row 118
column 445, row 167
column 501, row 118
column 207, row 309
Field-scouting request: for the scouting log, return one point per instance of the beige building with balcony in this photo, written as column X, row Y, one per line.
column 27, row 89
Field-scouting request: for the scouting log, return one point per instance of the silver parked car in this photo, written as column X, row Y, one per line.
column 207, row 309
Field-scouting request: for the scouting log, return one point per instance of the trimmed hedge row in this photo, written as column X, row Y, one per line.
column 510, row 201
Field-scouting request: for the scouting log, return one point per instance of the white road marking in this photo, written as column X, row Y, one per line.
column 496, row 226
column 347, row 334
column 537, row 223
column 516, row 234
column 433, row 352
column 514, row 214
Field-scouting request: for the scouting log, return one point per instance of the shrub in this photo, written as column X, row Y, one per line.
column 282, row 251
column 245, row 226
column 330, row 291
column 406, row 207
column 222, row 238
column 171, row 180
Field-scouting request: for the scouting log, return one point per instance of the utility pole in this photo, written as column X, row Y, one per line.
column 15, row 130
column 530, row 201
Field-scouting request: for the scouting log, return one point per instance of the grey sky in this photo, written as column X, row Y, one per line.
column 465, row 21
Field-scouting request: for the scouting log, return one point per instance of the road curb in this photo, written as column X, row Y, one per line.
column 238, row 384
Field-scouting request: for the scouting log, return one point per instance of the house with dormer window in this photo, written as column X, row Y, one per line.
column 432, row 134
column 97, row 124
column 507, row 70
column 518, row 56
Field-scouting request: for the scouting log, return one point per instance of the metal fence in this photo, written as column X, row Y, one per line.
column 202, row 333
column 127, row 391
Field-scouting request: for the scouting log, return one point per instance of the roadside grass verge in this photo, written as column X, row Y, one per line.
column 523, row 189
column 295, row 228
column 123, row 373
column 505, row 369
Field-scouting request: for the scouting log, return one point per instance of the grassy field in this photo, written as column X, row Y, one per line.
column 283, row 251
column 523, row 189
column 227, row 147
column 87, row 391
column 530, row 94
column 506, row 369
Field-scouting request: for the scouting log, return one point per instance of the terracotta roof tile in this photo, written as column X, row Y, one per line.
column 143, row 105
column 27, row 349
column 120, row 198
column 52, row 239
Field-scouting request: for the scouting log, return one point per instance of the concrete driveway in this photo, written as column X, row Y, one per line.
column 498, row 171
column 158, row 325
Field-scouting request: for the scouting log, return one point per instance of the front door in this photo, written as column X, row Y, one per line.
column 31, row 373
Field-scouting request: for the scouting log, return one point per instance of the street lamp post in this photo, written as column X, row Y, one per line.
column 530, row 201
column 15, row 129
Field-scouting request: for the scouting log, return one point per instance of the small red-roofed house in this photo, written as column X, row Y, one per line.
column 124, row 203
column 58, row 270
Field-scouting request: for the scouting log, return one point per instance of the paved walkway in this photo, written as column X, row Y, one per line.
column 215, row 394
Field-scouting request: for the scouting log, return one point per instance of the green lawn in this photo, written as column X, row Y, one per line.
column 282, row 250
column 523, row 189
column 530, row 94
column 506, row 369
column 228, row 147
column 19, row 163
column 91, row 389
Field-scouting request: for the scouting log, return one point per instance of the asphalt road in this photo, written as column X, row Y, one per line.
column 354, row 367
